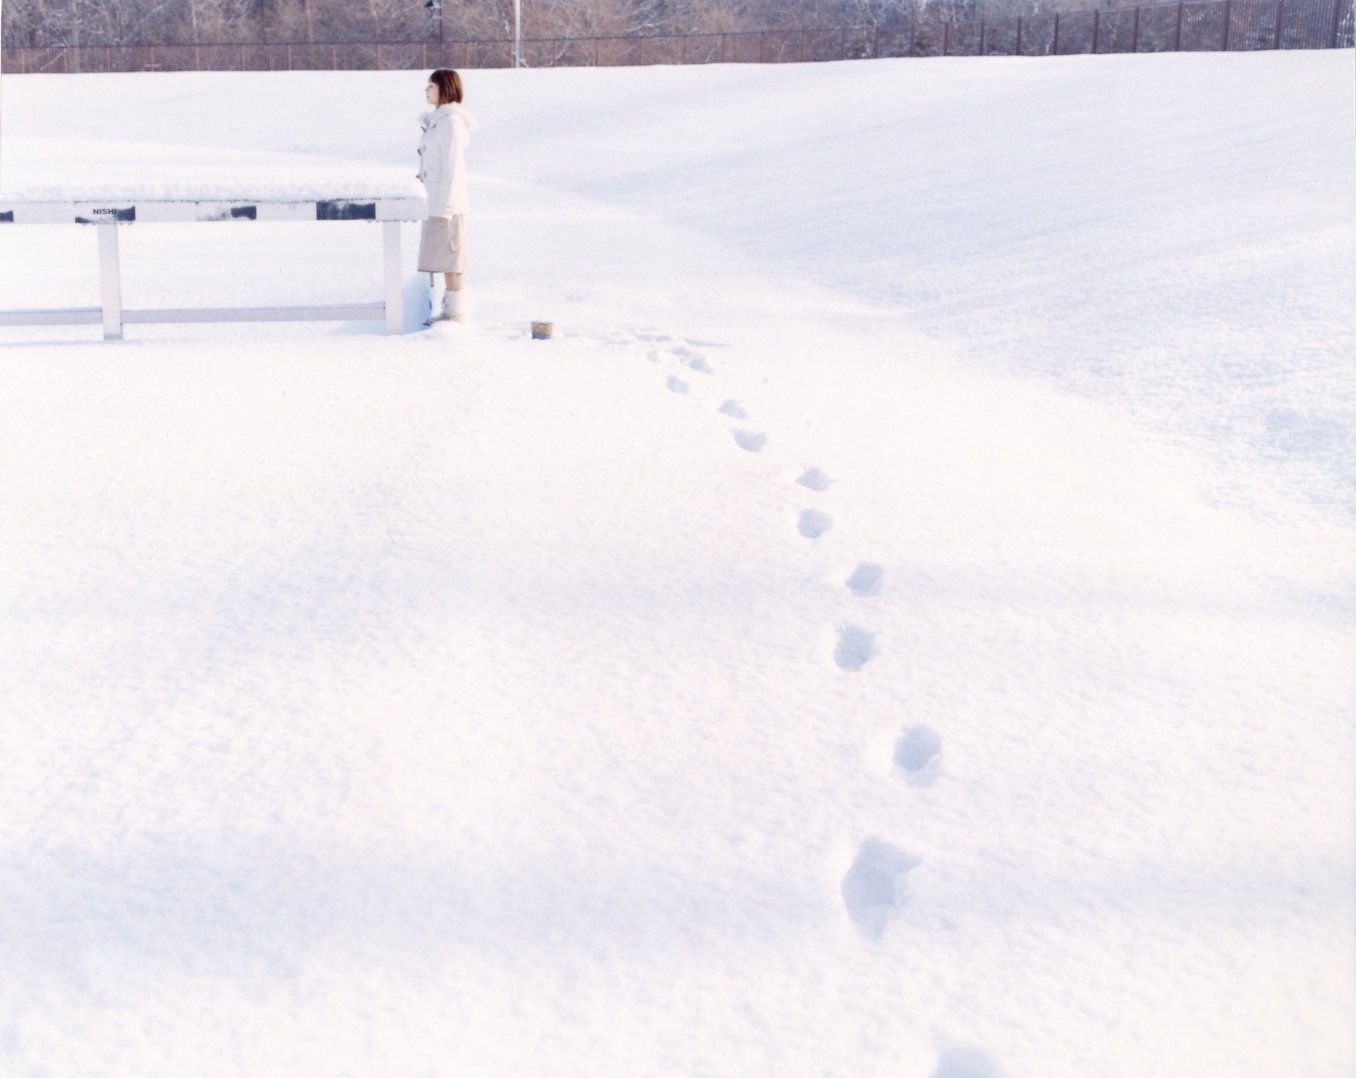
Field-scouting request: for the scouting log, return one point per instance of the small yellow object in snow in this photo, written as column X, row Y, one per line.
column 541, row 330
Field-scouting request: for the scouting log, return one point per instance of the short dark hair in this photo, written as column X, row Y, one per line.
column 448, row 83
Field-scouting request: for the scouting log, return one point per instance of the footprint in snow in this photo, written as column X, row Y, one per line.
column 812, row 523
column 814, row 478
column 965, row 1063
column 865, row 579
column 751, row 440
column 656, row 337
column 855, row 648
column 694, row 359
column 704, row 344
column 918, row 754
column 652, row 355
column 732, row 409
column 875, row 887
column 676, row 384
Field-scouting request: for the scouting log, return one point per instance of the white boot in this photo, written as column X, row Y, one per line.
column 455, row 306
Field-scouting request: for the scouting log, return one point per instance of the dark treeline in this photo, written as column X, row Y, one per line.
column 188, row 22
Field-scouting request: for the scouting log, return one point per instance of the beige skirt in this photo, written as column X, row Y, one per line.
column 442, row 244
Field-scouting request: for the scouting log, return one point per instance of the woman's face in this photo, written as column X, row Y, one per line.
column 431, row 93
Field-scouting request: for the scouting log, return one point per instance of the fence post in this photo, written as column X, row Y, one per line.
column 1054, row 51
column 1224, row 37
column 1177, row 42
column 875, row 47
column 1094, row 31
column 1134, row 40
column 1280, row 7
column 642, row 50
column 1018, row 51
column 946, row 38
column 981, row 37
column 1336, row 23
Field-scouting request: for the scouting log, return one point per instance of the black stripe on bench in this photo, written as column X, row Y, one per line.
column 101, row 215
column 339, row 209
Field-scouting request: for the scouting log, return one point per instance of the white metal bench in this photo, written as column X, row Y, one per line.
column 107, row 217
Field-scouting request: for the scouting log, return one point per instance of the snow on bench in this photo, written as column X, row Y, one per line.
column 108, row 216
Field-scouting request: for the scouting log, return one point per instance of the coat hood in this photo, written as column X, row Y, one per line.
column 437, row 115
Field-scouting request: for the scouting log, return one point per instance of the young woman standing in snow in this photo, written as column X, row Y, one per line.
column 442, row 169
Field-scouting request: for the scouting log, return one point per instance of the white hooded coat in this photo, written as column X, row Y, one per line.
column 442, row 168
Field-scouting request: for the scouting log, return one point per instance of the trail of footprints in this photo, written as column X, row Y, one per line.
column 874, row 889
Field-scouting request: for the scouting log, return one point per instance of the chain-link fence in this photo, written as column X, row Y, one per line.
column 1200, row 25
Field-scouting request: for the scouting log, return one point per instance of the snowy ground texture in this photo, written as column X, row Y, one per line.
column 901, row 625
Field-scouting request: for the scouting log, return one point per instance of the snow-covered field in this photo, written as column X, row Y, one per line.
column 902, row 624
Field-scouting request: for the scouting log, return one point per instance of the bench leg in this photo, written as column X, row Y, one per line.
column 395, row 300
column 110, row 280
